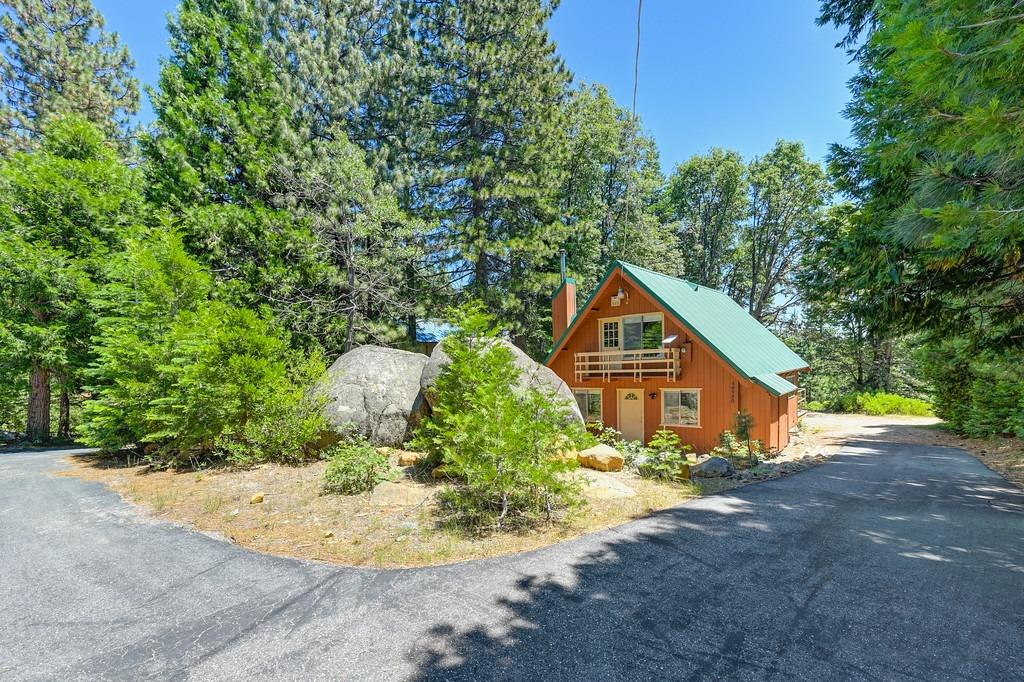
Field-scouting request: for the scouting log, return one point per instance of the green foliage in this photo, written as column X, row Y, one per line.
column 355, row 466
column 816, row 406
column 489, row 148
column 56, row 60
column 977, row 394
column 498, row 440
column 706, row 197
column 665, row 457
column 196, row 378
column 882, row 404
column 936, row 171
column 64, row 209
column 610, row 189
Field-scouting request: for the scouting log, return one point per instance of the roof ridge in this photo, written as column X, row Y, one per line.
column 680, row 279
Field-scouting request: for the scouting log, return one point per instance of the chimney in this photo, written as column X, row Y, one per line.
column 563, row 305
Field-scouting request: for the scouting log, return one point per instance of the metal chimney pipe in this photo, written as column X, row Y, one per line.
column 561, row 255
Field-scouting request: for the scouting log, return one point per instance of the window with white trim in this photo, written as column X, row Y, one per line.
column 642, row 332
column 589, row 401
column 680, row 407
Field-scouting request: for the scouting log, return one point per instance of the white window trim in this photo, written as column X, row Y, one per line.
column 589, row 391
column 621, row 320
column 681, row 390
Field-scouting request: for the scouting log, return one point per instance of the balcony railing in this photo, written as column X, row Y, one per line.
column 635, row 364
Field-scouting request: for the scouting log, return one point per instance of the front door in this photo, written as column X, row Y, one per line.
column 631, row 413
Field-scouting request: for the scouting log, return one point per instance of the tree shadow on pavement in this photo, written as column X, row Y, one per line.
column 869, row 567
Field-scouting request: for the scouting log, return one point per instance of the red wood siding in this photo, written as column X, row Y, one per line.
column 723, row 392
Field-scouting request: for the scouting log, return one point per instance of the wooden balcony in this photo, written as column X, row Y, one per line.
column 629, row 364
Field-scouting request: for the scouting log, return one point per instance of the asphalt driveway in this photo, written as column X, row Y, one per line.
column 890, row 562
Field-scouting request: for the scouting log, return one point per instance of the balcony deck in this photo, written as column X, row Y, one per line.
column 629, row 364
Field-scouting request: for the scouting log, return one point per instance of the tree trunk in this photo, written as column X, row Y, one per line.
column 64, row 423
column 38, row 428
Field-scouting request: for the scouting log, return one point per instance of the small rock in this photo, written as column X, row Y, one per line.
column 602, row 457
column 328, row 534
column 408, row 459
column 256, row 499
column 234, row 512
column 439, row 472
column 714, row 467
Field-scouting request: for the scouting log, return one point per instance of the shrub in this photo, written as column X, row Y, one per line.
column 498, row 441
column 665, row 458
column 816, row 406
column 737, row 450
column 189, row 378
column 355, row 467
column 881, row 403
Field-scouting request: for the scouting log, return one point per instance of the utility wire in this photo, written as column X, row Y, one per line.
column 633, row 127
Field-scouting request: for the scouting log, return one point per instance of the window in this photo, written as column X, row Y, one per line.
column 589, row 400
column 642, row 332
column 680, row 408
column 610, row 335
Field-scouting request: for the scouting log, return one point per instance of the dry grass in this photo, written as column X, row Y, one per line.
column 295, row 520
column 401, row 529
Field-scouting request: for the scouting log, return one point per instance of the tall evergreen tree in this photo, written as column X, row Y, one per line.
column 63, row 209
column 487, row 147
column 56, row 58
column 936, row 168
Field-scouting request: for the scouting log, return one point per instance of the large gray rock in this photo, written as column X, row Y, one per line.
column 531, row 374
column 376, row 390
column 714, row 467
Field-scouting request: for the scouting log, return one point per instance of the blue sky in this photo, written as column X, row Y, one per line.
column 738, row 74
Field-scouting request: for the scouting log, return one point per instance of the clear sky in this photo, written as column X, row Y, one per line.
column 738, row 74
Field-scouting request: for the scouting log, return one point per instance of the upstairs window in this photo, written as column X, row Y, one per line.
column 642, row 332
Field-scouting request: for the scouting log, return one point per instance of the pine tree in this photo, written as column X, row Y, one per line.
column 63, row 209
column 361, row 233
column 487, row 148
column 56, row 58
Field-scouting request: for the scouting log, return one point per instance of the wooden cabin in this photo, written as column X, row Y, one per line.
column 648, row 351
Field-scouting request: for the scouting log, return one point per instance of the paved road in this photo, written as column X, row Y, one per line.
column 890, row 562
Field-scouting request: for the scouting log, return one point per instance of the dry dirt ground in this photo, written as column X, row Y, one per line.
column 396, row 525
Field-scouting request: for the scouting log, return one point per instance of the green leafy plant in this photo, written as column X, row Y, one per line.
column 499, row 441
column 189, row 379
column 355, row 466
column 881, row 403
column 665, row 457
column 744, row 427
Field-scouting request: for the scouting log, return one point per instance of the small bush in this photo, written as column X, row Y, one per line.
column 883, row 404
column 500, row 442
column 816, row 406
column 355, row 467
column 740, row 452
column 665, row 458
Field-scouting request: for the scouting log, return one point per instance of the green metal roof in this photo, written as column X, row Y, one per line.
column 740, row 340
